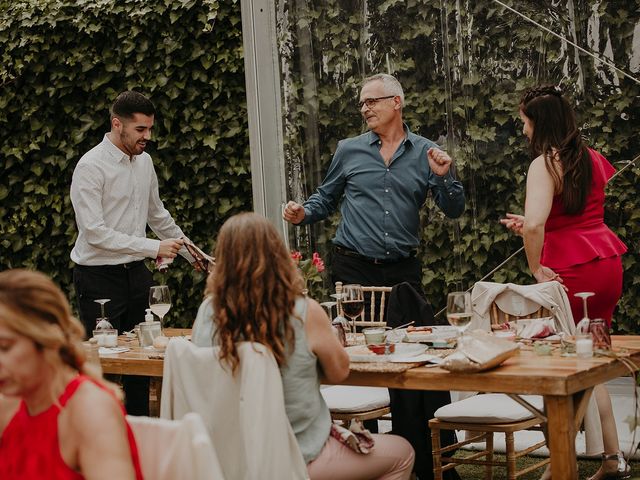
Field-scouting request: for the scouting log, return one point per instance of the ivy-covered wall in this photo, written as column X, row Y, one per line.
column 62, row 63
column 463, row 65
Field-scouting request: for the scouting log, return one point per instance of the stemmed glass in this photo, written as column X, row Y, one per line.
column 328, row 306
column 103, row 321
column 159, row 300
column 583, row 325
column 459, row 310
column 352, row 302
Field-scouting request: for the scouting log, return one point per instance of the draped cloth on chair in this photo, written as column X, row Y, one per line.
column 244, row 413
column 521, row 300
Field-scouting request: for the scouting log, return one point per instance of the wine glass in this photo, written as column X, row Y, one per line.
column 103, row 321
column 352, row 302
column 159, row 300
column 583, row 325
column 328, row 306
column 459, row 310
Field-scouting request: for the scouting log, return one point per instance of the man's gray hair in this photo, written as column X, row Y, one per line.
column 391, row 84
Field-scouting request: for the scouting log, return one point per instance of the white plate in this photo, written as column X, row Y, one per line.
column 438, row 334
column 404, row 352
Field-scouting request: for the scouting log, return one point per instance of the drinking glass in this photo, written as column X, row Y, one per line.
column 584, row 340
column 352, row 302
column 459, row 310
column 583, row 325
column 103, row 321
column 159, row 301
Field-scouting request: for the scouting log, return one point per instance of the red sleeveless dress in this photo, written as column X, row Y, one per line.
column 584, row 251
column 29, row 447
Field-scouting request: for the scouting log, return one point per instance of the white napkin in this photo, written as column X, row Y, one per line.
column 112, row 350
column 424, row 357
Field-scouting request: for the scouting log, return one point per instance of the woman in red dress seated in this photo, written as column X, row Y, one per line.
column 58, row 419
column 565, row 237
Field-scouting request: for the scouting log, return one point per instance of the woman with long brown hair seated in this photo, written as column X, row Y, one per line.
column 58, row 418
column 254, row 294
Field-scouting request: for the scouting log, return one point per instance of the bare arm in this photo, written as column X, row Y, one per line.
column 324, row 344
column 98, row 434
column 539, row 198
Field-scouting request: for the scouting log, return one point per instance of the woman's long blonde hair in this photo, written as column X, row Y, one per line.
column 33, row 306
column 254, row 287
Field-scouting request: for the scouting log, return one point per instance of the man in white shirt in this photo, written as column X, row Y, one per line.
column 114, row 192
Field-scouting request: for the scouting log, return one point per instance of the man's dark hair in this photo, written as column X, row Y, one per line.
column 129, row 103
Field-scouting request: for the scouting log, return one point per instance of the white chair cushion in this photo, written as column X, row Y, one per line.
column 488, row 408
column 344, row 398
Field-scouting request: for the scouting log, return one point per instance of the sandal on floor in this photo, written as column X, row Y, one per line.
column 622, row 471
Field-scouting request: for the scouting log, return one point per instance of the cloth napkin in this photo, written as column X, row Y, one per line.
column 535, row 327
column 112, row 350
column 356, row 437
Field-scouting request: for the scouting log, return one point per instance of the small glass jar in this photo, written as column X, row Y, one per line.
column 584, row 345
column 106, row 337
column 600, row 333
column 148, row 332
column 374, row 335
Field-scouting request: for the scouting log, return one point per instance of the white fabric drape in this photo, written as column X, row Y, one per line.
column 244, row 413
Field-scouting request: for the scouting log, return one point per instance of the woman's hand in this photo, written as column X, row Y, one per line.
column 545, row 274
column 514, row 223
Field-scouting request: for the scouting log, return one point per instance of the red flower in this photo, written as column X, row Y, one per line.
column 297, row 256
column 317, row 261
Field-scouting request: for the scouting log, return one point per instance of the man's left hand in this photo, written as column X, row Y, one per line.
column 439, row 161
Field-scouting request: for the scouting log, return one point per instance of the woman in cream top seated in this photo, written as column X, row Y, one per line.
column 254, row 294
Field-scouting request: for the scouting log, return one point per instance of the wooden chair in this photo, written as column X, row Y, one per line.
column 171, row 449
column 481, row 416
column 375, row 298
column 498, row 316
column 347, row 403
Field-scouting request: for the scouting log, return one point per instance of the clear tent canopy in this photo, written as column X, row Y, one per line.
column 463, row 66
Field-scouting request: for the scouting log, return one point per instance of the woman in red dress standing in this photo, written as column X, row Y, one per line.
column 565, row 237
column 58, row 419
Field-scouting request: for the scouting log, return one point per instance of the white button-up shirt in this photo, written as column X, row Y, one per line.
column 114, row 199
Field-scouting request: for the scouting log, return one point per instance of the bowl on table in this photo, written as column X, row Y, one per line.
column 382, row 348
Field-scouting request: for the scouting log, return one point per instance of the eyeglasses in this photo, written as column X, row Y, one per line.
column 201, row 259
column 370, row 102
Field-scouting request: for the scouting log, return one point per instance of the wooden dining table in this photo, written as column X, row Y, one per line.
column 566, row 382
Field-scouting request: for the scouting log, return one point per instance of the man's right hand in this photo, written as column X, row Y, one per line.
column 169, row 248
column 293, row 212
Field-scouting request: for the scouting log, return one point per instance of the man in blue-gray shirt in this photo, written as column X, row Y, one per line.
column 385, row 175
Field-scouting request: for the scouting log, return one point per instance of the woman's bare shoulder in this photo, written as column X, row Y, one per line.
column 92, row 407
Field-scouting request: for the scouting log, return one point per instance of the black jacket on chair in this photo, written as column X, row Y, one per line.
column 411, row 410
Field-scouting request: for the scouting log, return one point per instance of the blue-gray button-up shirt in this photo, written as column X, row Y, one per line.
column 381, row 205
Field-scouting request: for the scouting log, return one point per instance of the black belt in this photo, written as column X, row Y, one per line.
column 119, row 267
column 377, row 261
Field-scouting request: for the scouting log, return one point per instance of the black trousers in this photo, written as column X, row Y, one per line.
column 410, row 410
column 127, row 287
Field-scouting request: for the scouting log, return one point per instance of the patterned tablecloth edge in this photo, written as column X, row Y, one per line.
column 388, row 367
column 383, row 367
